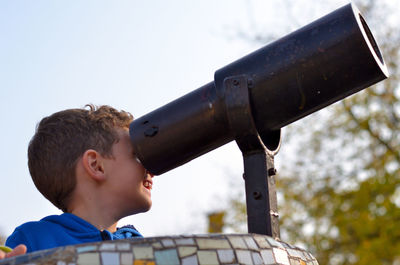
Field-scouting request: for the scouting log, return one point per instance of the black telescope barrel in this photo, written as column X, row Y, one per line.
column 307, row 70
column 180, row 131
column 317, row 65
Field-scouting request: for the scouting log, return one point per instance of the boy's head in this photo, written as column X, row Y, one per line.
column 60, row 141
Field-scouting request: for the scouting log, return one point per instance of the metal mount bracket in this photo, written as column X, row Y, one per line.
column 259, row 170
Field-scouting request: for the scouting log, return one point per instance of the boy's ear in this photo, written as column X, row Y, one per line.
column 93, row 164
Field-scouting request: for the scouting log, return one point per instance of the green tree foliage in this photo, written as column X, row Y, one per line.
column 340, row 182
column 216, row 222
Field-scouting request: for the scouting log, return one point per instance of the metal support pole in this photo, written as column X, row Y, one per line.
column 259, row 171
column 261, row 201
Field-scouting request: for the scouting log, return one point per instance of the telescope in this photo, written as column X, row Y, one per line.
column 251, row 99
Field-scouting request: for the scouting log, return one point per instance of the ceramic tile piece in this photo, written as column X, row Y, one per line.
column 123, row 246
column 88, row 259
column 191, row 260
column 257, row 260
column 226, row 256
column 262, row 242
column 184, row 241
column 107, row 247
column 305, row 255
column 294, row 253
column 157, row 245
column 48, row 252
column 244, row 256
column 250, row 243
column 126, row 259
column 206, row 243
column 207, row 257
column 142, row 262
column 186, row 251
column 21, row 259
column 168, row 243
column 35, row 256
column 267, row 256
column 285, row 245
column 281, row 256
column 143, row 252
column 294, row 262
column 166, row 257
column 308, row 257
column 110, row 258
column 86, row 248
column 237, row 242
column 123, row 252
column 274, row 243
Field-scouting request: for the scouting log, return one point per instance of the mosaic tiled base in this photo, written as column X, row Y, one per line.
column 175, row 250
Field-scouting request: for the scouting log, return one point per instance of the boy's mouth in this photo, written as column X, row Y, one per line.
column 148, row 184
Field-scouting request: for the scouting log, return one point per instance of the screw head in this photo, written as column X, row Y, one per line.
column 271, row 171
column 150, row 132
column 257, row 195
column 250, row 83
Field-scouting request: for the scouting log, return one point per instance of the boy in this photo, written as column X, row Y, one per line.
column 82, row 161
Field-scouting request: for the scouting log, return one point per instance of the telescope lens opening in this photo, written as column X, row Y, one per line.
column 371, row 39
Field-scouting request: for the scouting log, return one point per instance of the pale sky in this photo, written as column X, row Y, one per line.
column 132, row 55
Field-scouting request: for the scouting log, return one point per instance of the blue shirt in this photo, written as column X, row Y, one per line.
column 61, row 230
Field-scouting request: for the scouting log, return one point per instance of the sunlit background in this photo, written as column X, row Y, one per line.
column 135, row 56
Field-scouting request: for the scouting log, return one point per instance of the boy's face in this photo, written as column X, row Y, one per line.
column 130, row 183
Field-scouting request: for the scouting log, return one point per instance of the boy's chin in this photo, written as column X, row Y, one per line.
column 145, row 208
column 148, row 207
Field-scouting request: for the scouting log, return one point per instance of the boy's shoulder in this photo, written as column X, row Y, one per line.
column 34, row 226
column 52, row 221
column 52, row 231
column 27, row 233
column 64, row 222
